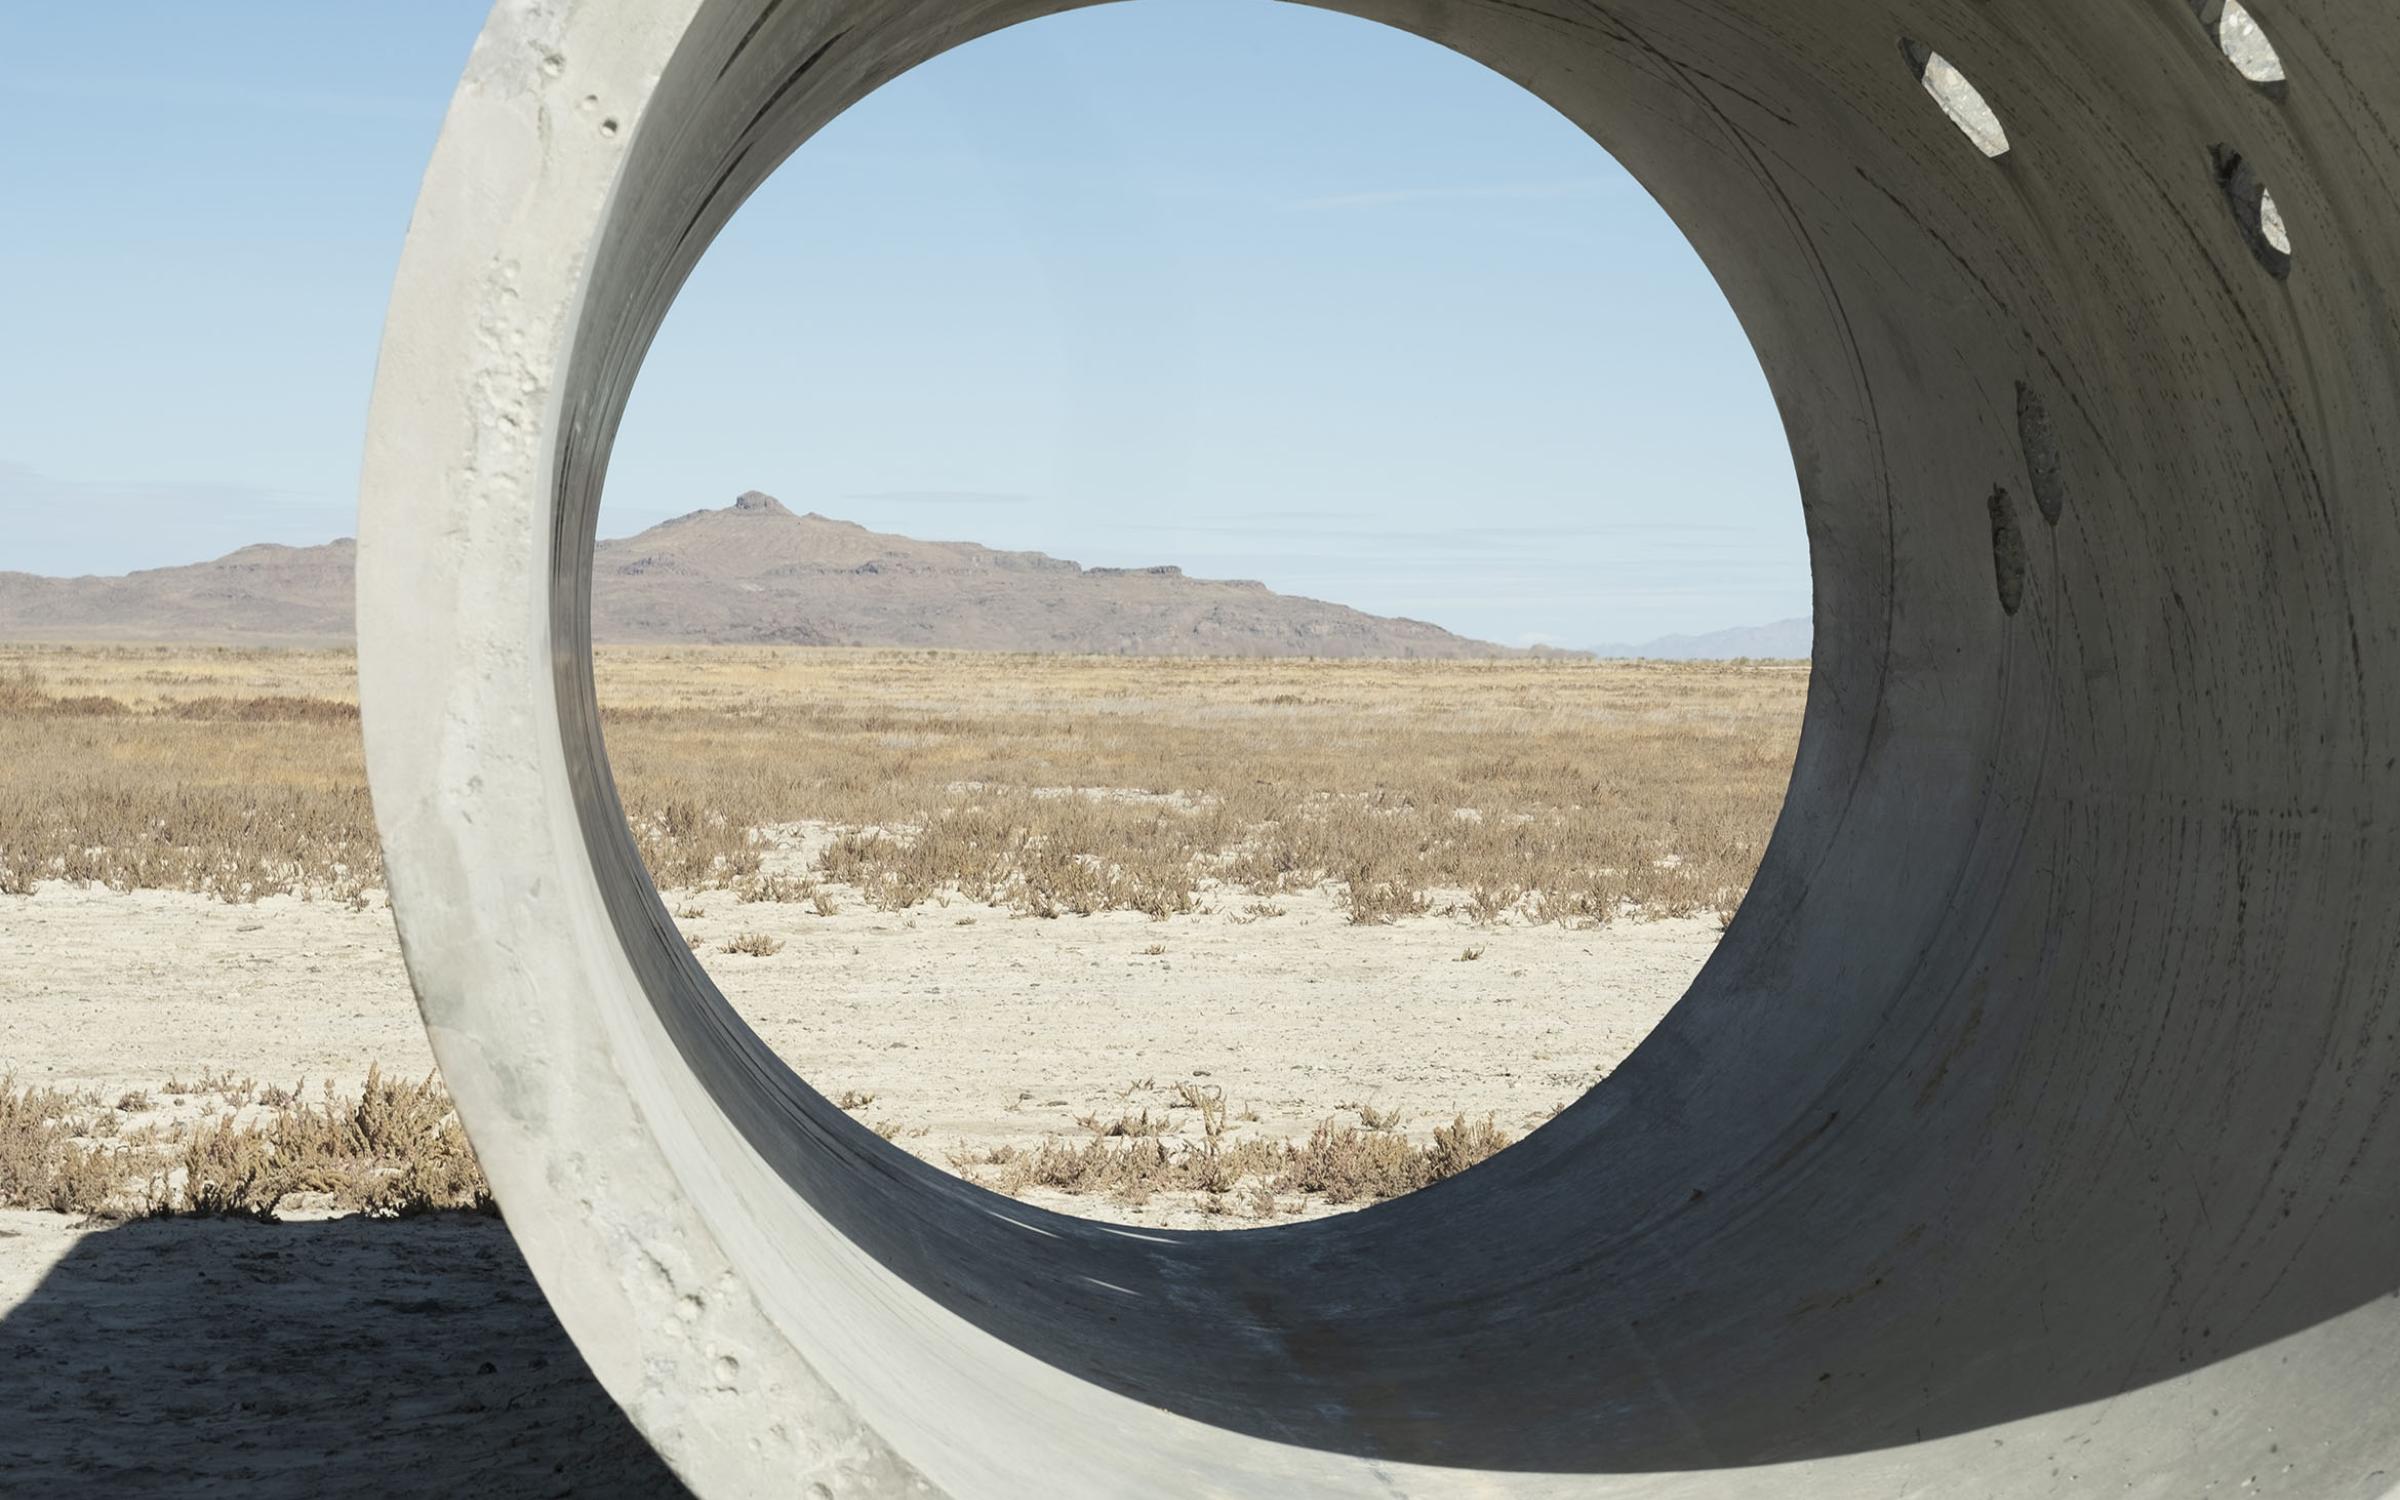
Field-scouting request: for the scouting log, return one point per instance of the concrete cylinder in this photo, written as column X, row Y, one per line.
column 2033, row 1130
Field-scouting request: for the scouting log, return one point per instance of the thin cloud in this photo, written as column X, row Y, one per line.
column 1486, row 192
column 323, row 103
column 942, row 497
column 77, row 526
column 1363, row 533
column 1269, row 517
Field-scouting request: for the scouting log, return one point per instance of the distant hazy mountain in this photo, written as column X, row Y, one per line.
column 756, row 573
column 1783, row 640
column 265, row 594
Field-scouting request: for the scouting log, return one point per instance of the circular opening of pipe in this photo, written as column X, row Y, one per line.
column 1959, row 99
column 2243, row 41
column 1134, row 893
column 2256, row 216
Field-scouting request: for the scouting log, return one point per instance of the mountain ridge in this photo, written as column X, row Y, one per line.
column 757, row 573
column 1779, row 640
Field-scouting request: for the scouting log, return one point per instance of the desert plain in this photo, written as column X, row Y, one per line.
column 1190, row 943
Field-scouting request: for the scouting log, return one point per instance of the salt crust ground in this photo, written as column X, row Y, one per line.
column 193, row 1358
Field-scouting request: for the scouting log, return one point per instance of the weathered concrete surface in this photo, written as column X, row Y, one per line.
column 2033, row 1131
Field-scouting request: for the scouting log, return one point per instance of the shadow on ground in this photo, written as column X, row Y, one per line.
column 271, row 1360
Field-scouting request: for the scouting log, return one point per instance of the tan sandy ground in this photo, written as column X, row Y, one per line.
column 969, row 1026
column 333, row 1356
column 197, row 1357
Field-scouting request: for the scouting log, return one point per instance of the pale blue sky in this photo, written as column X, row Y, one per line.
column 1255, row 289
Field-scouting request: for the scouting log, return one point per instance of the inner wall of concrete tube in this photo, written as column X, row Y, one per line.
column 2031, row 1132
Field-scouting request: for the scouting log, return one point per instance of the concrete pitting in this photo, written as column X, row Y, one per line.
column 2033, row 1131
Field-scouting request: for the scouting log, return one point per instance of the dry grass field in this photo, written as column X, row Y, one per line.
column 827, row 797
column 1559, row 791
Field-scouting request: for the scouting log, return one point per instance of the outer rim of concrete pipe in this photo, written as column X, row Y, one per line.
column 2086, row 1145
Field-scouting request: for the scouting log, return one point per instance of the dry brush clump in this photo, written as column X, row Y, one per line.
column 54, row 1156
column 1346, row 1166
column 1539, row 791
column 1135, row 1158
column 396, row 1150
